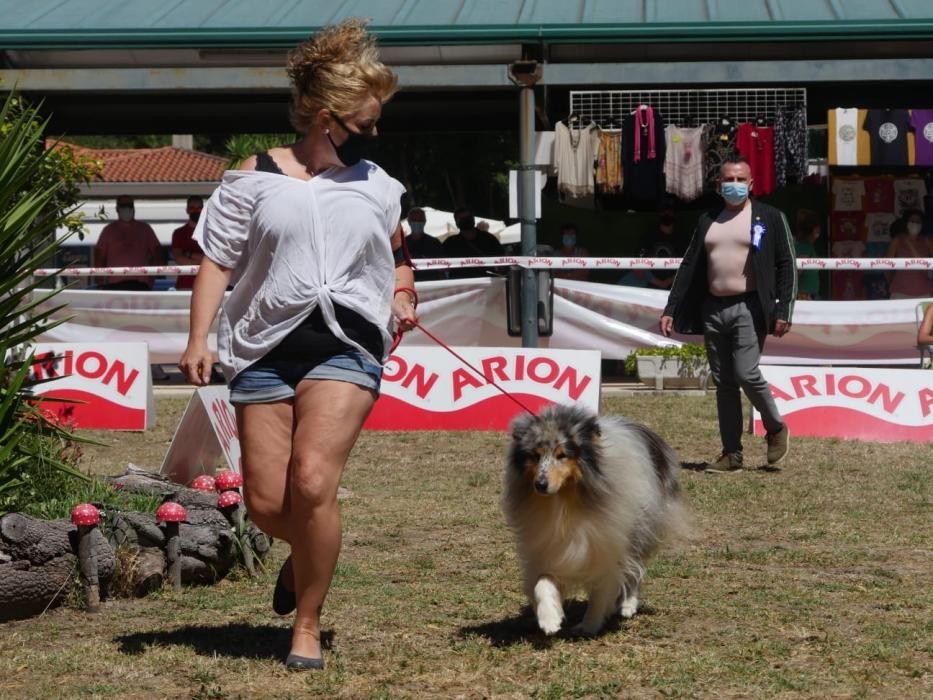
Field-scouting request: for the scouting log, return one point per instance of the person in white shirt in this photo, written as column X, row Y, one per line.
column 306, row 233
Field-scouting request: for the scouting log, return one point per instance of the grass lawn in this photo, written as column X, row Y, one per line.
column 812, row 581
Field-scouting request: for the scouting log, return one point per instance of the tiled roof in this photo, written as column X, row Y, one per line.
column 168, row 164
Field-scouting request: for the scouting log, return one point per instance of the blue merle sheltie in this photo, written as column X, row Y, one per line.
column 589, row 499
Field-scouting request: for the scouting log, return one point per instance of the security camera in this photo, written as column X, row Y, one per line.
column 526, row 73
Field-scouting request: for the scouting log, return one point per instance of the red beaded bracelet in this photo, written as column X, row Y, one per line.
column 411, row 292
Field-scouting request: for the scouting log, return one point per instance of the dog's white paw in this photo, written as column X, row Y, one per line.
column 549, row 620
column 629, row 607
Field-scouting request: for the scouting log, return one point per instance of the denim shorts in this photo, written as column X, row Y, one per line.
column 266, row 381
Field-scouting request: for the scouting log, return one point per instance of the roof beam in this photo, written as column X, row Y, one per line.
column 456, row 77
column 738, row 72
column 245, row 78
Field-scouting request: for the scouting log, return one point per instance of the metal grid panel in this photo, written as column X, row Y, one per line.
column 608, row 108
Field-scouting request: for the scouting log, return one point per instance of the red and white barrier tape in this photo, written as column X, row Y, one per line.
column 536, row 263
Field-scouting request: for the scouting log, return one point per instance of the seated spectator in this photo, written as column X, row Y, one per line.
column 423, row 245
column 185, row 250
column 570, row 248
column 470, row 243
column 127, row 242
column 664, row 242
column 907, row 284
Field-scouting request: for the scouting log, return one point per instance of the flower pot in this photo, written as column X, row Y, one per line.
column 669, row 372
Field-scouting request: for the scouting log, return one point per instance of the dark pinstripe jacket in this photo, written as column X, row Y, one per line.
column 772, row 262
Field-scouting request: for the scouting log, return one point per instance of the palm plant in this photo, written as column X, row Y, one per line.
column 32, row 206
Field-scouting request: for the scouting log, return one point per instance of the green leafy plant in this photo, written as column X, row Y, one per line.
column 691, row 358
column 38, row 192
column 239, row 147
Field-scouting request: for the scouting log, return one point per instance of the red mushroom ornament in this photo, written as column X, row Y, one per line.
column 86, row 517
column 170, row 514
column 227, row 480
column 229, row 504
column 204, row 482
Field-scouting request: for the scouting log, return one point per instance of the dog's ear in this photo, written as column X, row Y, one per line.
column 588, row 425
column 521, row 424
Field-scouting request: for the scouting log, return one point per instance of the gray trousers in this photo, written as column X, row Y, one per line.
column 734, row 333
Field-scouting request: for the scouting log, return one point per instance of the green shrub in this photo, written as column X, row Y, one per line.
column 692, row 357
column 37, row 195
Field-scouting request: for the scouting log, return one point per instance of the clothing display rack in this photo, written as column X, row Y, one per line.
column 686, row 107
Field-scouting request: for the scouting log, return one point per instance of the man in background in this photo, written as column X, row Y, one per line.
column 185, row 250
column 470, row 242
column 127, row 242
column 736, row 284
column 423, row 245
column 570, row 248
column 663, row 242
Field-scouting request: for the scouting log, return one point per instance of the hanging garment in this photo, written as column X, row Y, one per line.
column 756, row 144
column 609, row 163
column 848, row 193
column 847, row 226
column 720, row 146
column 846, row 135
column 879, row 195
column 790, row 146
column 888, row 131
column 908, row 194
column 684, row 167
column 643, row 154
column 922, row 122
column 878, row 228
column 575, row 151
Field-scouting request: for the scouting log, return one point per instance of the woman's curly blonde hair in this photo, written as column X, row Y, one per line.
column 336, row 69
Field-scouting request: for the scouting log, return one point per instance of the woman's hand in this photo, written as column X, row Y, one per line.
column 403, row 309
column 196, row 363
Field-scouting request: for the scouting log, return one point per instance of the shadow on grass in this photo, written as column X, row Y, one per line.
column 694, row 466
column 243, row 641
column 523, row 628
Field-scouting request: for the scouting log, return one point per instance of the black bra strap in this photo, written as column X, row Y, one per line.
column 266, row 164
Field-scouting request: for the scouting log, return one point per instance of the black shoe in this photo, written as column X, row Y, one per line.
column 283, row 600
column 303, row 663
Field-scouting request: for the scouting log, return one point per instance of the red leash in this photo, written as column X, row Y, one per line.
column 398, row 339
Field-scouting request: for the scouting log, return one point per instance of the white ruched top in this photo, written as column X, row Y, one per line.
column 295, row 245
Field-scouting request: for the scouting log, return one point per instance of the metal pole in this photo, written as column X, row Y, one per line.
column 526, row 210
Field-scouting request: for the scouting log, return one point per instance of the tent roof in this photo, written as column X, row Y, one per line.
column 43, row 24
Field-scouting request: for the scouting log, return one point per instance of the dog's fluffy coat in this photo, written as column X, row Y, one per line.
column 588, row 499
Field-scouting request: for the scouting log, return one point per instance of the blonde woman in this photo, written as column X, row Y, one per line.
column 309, row 235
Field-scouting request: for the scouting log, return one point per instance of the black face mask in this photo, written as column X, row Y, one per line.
column 351, row 151
column 194, row 216
column 466, row 223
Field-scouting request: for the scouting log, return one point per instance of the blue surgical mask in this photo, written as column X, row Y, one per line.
column 417, row 227
column 569, row 240
column 735, row 192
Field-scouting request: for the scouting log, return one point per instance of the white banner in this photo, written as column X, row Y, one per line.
column 885, row 405
column 431, row 389
column 107, row 387
column 536, row 263
column 587, row 316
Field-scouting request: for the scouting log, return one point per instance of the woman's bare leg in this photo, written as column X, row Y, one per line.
column 265, row 431
column 328, row 418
